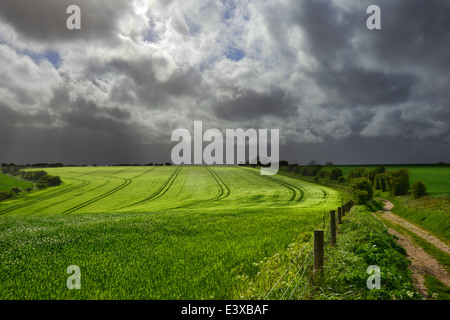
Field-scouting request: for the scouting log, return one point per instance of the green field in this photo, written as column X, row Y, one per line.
column 7, row 182
column 152, row 232
column 436, row 177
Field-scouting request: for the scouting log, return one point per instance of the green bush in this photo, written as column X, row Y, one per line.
column 399, row 182
column 341, row 180
column 418, row 189
column 16, row 190
column 336, row 173
column 362, row 190
column 52, row 180
column 5, row 195
column 41, row 185
column 381, row 181
column 373, row 173
column 358, row 173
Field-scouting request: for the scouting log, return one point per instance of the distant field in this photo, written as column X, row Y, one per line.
column 436, row 177
column 152, row 232
column 7, row 182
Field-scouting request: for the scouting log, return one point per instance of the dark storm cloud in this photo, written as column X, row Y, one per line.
column 86, row 115
column 252, row 105
column 139, row 83
column 414, row 33
column 354, row 87
column 327, row 28
column 311, row 68
column 45, row 20
column 10, row 118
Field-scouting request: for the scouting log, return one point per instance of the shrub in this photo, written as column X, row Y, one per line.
column 381, row 181
column 373, row 173
column 41, row 185
column 16, row 190
column 336, row 173
column 342, row 180
column 52, row 180
column 5, row 195
column 399, row 182
column 362, row 190
column 316, row 179
column 311, row 170
column 358, row 173
column 418, row 189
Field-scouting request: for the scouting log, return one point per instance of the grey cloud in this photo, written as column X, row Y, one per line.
column 45, row 20
column 251, row 105
column 353, row 87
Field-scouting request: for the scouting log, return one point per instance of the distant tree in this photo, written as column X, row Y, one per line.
column 323, row 173
column 336, row 173
column 418, row 189
column 16, row 190
column 168, row 164
column 52, row 180
column 374, row 172
column 358, row 173
column 5, row 195
column 399, row 182
column 328, row 163
column 362, row 190
column 341, row 180
column 283, row 163
column 313, row 163
column 41, row 185
column 311, row 170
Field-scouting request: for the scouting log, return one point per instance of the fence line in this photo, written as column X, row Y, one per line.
column 313, row 255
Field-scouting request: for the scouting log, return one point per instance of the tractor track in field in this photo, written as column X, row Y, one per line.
column 104, row 195
column 325, row 194
column 294, row 189
column 160, row 192
column 56, row 194
column 108, row 193
column 224, row 191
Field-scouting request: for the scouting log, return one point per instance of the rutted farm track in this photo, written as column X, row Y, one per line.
column 114, row 189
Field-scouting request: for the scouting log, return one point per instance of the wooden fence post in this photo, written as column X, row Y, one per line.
column 339, row 215
column 333, row 228
column 318, row 252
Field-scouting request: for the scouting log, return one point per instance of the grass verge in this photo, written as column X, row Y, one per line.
column 363, row 241
column 436, row 289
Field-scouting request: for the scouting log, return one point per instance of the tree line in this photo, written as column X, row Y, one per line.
column 40, row 178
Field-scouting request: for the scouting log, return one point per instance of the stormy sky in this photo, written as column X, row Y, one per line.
column 114, row 91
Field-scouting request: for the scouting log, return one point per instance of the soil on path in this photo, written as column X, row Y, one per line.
column 421, row 262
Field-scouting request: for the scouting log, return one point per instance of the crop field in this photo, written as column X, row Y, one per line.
column 152, row 232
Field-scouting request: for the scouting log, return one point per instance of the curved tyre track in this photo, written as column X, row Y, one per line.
column 160, row 192
column 104, row 195
column 110, row 192
column 296, row 191
column 224, row 191
column 56, row 194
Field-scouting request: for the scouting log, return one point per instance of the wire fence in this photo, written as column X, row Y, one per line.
column 295, row 280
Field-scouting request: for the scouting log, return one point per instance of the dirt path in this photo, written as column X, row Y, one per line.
column 421, row 262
